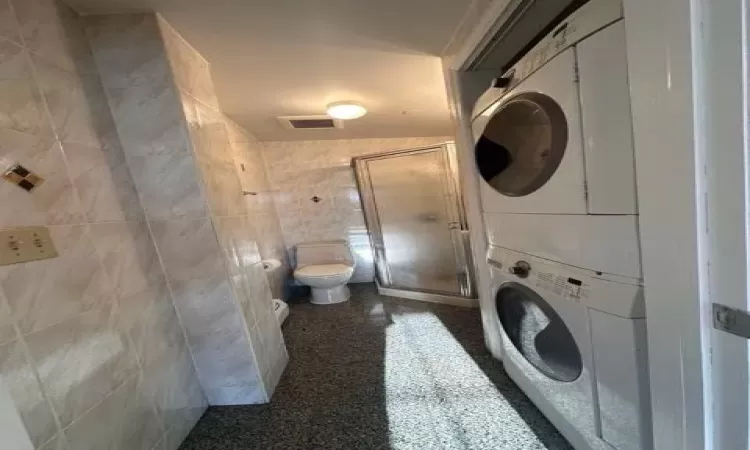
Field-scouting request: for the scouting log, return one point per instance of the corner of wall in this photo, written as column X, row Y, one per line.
column 176, row 142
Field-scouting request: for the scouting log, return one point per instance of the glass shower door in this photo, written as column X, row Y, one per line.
column 416, row 231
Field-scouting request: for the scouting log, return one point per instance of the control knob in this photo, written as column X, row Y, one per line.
column 521, row 269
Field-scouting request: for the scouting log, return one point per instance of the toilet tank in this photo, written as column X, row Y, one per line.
column 326, row 252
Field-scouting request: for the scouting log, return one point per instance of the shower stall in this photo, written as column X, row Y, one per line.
column 417, row 225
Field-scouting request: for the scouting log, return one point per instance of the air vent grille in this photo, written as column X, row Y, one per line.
column 310, row 122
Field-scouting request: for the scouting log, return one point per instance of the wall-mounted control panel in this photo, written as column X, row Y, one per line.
column 23, row 177
column 19, row 245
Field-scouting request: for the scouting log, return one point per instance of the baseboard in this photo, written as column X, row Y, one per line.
column 429, row 297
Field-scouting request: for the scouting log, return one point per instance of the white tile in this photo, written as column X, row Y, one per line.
column 8, row 25
column 19, row 379
column 52, row 30
column 55, row 201
column 189, row 249
column 128, row 255
column 43, row 293
column 123, row 420
column 82, row 360
column 22, row 108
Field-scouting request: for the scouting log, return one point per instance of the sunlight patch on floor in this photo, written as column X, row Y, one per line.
column 437, row 396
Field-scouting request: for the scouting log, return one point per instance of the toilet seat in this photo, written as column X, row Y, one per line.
column 324, row 270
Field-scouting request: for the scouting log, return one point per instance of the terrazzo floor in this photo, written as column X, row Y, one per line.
column 383, row 373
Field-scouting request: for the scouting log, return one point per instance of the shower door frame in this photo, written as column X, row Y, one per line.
column 458, row 227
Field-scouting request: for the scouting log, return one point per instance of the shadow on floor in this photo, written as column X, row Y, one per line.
column 383, row 373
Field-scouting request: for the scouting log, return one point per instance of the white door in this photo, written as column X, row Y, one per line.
column 722, row 105
column 416, row 225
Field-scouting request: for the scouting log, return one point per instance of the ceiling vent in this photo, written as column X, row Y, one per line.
column 310, row 122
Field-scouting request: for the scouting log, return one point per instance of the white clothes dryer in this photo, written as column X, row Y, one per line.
column 554, row 148
column 575, row 342
column 553, row 134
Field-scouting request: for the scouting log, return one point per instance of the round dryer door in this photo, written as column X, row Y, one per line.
column 538, row 332
column 522, row 144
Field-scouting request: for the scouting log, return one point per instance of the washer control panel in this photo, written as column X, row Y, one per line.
column 572, row 283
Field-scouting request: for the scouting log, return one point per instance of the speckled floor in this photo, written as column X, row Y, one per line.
column 383, row 373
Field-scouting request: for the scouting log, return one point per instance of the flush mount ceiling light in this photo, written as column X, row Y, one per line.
column 346, row 110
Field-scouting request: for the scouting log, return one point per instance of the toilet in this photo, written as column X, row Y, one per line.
column 326, row 267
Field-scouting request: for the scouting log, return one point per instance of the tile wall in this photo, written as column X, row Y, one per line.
column 301, row 170
column 92, row 353
column 177, row 145
column 12, row 429
column 220, row 153
column 259, row 203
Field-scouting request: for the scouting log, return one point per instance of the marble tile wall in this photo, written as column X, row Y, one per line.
column 300, row 170
column 177, row 146
column 11, row 425
column 222, row 151
column 259, row 203
column 92, row 353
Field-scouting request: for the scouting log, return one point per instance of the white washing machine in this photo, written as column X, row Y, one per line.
column 575, row 342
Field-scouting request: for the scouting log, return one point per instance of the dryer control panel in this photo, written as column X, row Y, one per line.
column 585, row 21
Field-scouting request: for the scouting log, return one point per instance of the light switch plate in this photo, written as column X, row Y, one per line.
column 19, row 245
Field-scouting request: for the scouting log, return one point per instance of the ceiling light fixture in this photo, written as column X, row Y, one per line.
column 346, row 110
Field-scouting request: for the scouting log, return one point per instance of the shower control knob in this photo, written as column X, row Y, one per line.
column 521, row 269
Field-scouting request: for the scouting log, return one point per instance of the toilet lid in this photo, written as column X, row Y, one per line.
column 324, row 270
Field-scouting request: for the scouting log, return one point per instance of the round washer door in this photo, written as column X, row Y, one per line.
column 522, row 144
column 538, row 332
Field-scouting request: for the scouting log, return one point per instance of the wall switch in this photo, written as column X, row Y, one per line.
column 19, row 245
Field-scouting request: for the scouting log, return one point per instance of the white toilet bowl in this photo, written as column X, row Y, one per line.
column 327, row 282
column 326, row 267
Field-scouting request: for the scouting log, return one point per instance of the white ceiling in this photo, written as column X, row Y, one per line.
column 292, row 57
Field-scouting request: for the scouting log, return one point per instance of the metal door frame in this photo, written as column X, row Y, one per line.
column 458, row 225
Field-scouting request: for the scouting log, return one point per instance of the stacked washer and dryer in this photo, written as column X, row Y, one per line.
column 553, row 144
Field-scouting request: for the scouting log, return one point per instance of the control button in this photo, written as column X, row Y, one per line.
column 521, row 269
